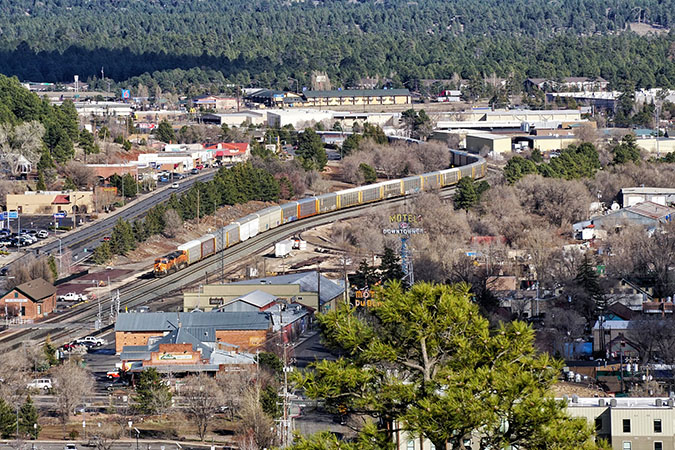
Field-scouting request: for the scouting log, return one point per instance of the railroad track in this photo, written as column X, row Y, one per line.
column 148, row 289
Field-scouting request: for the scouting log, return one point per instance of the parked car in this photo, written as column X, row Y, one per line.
column 70, row 447
column 43, row 234
column 175, row 186
column 194, row 171
column 3, row 271
column 29, row 237
column 40, row 383
column 163, row 179
column 5, row 242
column 117, row 383
column 199, row 166
column 105, row 239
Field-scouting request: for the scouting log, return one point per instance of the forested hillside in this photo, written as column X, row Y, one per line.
column 266, row 41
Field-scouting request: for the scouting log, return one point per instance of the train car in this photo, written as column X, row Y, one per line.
column 393, row 188
column 289, row 212
column 431, row 181
column 349, row 197
column 230, row 234
column 193, row 250
column 307, row 207
column 221, row 241
column 208, row 245
column 269, row 218
column 372, row 192
column 327, row 202
column 248, row 227
column 412, row 185
column 450, row 176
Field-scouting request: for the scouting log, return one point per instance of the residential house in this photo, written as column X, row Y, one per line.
column 229, row 152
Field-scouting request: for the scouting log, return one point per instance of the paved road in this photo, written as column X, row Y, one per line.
column 89, row 237
column 126, row 444
column 311, row 350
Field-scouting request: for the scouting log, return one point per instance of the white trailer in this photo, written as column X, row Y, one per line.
column 283, row 248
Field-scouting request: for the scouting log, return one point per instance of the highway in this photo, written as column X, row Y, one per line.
column 90, row 235
column 66, row 325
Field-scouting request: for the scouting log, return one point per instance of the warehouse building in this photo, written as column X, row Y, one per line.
column 488, row 144
column 634, row 195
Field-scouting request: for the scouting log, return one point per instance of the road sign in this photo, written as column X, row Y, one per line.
column 60, row 215
column 13, row 215
column 3, row 215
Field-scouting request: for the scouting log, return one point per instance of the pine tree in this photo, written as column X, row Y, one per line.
column 587, row 280
column 311, row 150
column 7, row 420
column 50, row 352
column 165, row 132
column 122, row 238
column 28, row 418
column 102, row 254
column 466, row 196
column 41, row 185
column 152, row 393
column 390, row 268
column 365, row 276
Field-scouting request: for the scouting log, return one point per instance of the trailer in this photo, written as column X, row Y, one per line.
column 283, row 248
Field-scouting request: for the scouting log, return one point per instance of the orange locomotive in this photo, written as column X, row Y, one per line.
column 172, row 262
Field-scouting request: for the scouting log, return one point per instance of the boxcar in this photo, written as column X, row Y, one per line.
column 208, row 245
column 450, row 176
column 231, row 233
column 432, row 181
column 327, row 202
column 392, row 188
column 307, row 207
column 371, row 192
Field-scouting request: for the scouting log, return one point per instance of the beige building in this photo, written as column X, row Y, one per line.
column 660, row 146
column 552, row 143
column 50, row 202
column 356, row 97
column 494, row 144
column 303, row 288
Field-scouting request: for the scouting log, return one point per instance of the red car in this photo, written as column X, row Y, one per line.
column 106, row 238
column 199, row 167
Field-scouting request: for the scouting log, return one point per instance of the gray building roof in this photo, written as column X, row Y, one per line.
column 357, row 93
column 307, row 281
column 168, row 321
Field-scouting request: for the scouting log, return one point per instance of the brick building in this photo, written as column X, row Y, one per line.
column 246, row 330
column 29, row 301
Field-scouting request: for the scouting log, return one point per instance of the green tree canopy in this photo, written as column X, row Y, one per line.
column 165, row 132
column 426, row 358
column 311, row 150
column 626, row 151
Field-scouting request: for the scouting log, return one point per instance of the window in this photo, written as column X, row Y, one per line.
column 626, row 446
column 16, row 295
column 657, row 426
column 411, row 445
column 626, row 426
column 39, row 309
column 658, row 445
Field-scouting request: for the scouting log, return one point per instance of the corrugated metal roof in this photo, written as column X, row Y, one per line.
column 257, row 298
column 651, row 210
column 167, row 321
column 307, row 282
column 357, row 93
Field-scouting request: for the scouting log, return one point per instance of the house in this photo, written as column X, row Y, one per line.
column 247, row 330
column 309, row 289
column 358, row 97
column 29, row 301
column 50, row 202
column 184, row 351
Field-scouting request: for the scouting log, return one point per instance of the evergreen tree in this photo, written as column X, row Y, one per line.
column 86, row 143
column 102, row 254
column 466, row 196
column 270, row 401
column 7, row 420
column 518, row 167
column 365, row 276
column 390, row 268
column 50, row 352
column 28, row 418
column 122, row 238
column 311, row 151
column 536, row 157
column 587, row 280
column 165, row 132
column 374, row 133
column 41, row 186
column 351, row 144
column 130, row 185
column 626, row 151
column 51, row 261
column 368, row 172
column 152, row 394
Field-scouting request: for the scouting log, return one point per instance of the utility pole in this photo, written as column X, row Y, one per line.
column 197, row 207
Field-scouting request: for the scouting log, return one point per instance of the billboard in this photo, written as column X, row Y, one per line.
column 126, row 94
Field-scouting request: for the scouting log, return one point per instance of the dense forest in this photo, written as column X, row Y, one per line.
column 264, row 42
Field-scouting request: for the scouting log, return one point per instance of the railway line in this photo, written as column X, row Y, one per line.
column 148, row 288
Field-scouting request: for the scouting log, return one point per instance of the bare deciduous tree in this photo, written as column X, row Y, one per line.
column 29, row 269
column 79, row 174
column 173, row 223
column 233, row 386
column 71, row 384
column 254, row 422
column 203, row 399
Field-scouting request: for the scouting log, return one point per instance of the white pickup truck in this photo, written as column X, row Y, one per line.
column 98, row 342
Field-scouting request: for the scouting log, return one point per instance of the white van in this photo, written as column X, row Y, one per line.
column 40, row 383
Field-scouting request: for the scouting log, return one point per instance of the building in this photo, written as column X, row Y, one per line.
column 648, row 214
column 299, row 119
column 246, row 330
column 629, row 423
column 184, row 351
column 215, row 102
column 658, row 146
column 578, row 83
column 449, row 96
column 303, row 288
column 599, row 100
column 235, row 119
column 358, row 97
column 103, row 109
column 349, row 119
column 274, row 99
column 488, row 144
column 229, row 152
column 29, row 301
column 634, row 195
column 50, row 202
column 551, row 142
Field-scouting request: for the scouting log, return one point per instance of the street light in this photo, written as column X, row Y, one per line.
column 60, row 256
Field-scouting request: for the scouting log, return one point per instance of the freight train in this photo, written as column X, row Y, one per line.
column 247, row 227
